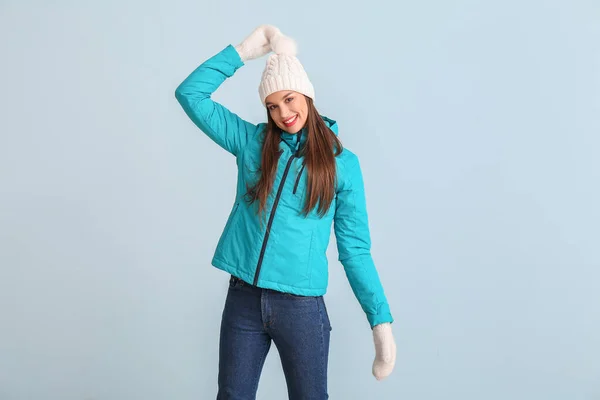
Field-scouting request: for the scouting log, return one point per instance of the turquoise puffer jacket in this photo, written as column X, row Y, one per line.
column 288, row 253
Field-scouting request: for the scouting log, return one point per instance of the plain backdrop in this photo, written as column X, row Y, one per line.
column 477, row 126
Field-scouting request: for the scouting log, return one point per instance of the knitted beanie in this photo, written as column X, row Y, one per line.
column 284, row 71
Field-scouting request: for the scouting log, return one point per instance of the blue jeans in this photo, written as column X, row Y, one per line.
column 298, row 325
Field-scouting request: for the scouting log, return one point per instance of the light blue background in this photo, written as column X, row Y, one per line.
column 477, row 124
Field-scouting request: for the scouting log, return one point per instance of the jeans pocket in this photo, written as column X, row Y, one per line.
column 235, row 282
column 324, row 313
column 294, row 296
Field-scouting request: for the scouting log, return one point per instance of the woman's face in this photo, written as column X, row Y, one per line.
column 288, row 109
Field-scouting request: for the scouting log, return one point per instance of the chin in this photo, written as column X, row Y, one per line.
column 293, row 129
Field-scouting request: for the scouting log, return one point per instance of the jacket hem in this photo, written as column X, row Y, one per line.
column 264, row 284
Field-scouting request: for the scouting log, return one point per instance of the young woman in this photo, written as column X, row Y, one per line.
column 295, row 180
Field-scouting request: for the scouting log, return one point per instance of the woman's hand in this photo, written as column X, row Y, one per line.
column 258, row 43
column 385, row 351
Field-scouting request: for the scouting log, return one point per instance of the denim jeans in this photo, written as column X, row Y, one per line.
column 298, row 325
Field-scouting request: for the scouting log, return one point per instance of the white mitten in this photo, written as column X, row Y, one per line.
column 258, row 43
column 385, row 351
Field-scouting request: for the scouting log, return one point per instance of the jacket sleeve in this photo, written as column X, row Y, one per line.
column 194, row 94
column 353, row 239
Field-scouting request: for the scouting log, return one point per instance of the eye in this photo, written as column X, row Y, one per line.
column 290, row 99
column 271, row 108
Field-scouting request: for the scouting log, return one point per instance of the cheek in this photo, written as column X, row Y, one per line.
column 304, row 109
column 276, row 119
column 298, row 110
column 304, row 112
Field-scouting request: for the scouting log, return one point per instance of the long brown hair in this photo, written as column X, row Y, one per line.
column 319, row 152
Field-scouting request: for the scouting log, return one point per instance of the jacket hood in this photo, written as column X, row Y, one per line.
column 332, row 124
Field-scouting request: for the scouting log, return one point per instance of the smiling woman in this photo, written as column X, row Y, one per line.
column 288, row 110
column 275, row 240
column 294, row 113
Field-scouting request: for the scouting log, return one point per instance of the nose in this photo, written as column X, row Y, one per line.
column 285, row 112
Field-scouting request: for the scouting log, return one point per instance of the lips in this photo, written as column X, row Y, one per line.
column 290, row 122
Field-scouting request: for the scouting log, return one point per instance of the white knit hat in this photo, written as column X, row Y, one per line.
column 284, row 71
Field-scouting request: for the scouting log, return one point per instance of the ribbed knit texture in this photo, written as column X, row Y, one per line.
column 284, row 72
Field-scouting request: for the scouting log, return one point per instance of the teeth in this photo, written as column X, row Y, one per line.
column 290, row 120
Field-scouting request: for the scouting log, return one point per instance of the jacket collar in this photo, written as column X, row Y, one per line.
column 295, row 141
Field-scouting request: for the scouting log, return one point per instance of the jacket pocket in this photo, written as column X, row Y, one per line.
column 297, row 180
column 229, row 226
column 298, row 190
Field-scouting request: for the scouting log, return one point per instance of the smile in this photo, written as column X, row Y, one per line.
column 291, row 121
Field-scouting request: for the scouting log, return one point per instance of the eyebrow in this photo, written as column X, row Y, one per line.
column 284, row 97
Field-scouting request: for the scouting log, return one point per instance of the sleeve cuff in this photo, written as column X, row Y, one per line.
column 233, row 56
column 384, row 315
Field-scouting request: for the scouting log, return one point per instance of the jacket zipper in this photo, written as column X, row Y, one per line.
column 270, row 222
